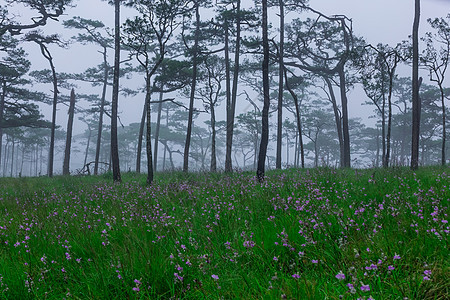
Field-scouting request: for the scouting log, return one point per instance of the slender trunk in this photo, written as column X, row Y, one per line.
column 2, row 108
column 53, row 128
column 148, row 136
column 389, row 126
column 36, row 160
column 115, row 96
column 5, row 160
column 12, row 156
column 102, row 111
column 40, row 161
column 192, row 96
column 66, row 165
column 165, row 148
column 280, row 88
column 22, row 161
column 158, row 125
column 265, row 112
column 213, row 167
column 87, row 146
column 444, row 130
column 316, row 153
column 383, row 132
column 228, row 164
column 298, row 118
column 345, row 128
column 415, row 90
column 230, row 123
column 287, row 150
column 337, row 119
column 377, row 163
column 140, row 139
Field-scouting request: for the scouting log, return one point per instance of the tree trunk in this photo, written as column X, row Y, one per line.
column 140, row 139
column 377, row 163
column 115, row 97
column 345, row 128
column 228, row 164
column 280, row 88
column 298, row 118
column 158, row 125
column 12, row 156
column 389, row 126
column 2, row 108
column 444, row 130
column 66, row 164
column 148, row 136
column 415, row 90
column 5, row 159
column 87, row 146
column 55, row 102
column 230, row 119
column 265, row 112
column 287, row 149
column 165, row 148
column 213, row 167
column 102, row 110
column 193, row 85
column 337, row 118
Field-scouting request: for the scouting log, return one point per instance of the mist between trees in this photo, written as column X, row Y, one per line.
column 226, row 85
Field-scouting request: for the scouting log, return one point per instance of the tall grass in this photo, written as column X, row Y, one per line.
column 301, row 234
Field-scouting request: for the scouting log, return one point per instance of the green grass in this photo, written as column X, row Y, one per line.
column 207, row 236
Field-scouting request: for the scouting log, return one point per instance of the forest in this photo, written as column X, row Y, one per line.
column 211, row 150
column 225, row 88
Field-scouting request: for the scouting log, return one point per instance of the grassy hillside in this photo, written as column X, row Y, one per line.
column 302, row 234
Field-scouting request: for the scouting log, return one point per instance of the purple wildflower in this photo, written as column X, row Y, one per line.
column 365, row 288
column 340, row 276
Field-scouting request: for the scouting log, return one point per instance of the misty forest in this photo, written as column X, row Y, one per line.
column 211, row 149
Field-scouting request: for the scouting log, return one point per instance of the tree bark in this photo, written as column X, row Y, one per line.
column 213, row 167
column 87, row 146
column 337, row 118
column 298, row 118
column 140, row 139
column 66, row 165
column 265, row 112
column 12, row 156
column 193, row 85
column 55, row 102
column 280, row 88
column 102, row 111
column 115, row 97
column 345, row 128
column 230, row 123
column 389, row 126
column 444, row 130
column 148, row 136
column 2, row 108
column 157, row 129
column 415, row 90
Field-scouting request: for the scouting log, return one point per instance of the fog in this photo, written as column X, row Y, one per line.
column 383, row 21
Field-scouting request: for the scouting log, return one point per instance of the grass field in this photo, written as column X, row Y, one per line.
column 302, row 234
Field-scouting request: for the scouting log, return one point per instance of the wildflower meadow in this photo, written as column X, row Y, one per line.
column 300, row 234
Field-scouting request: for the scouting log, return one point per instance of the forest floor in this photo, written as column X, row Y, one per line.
column 301, row 234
